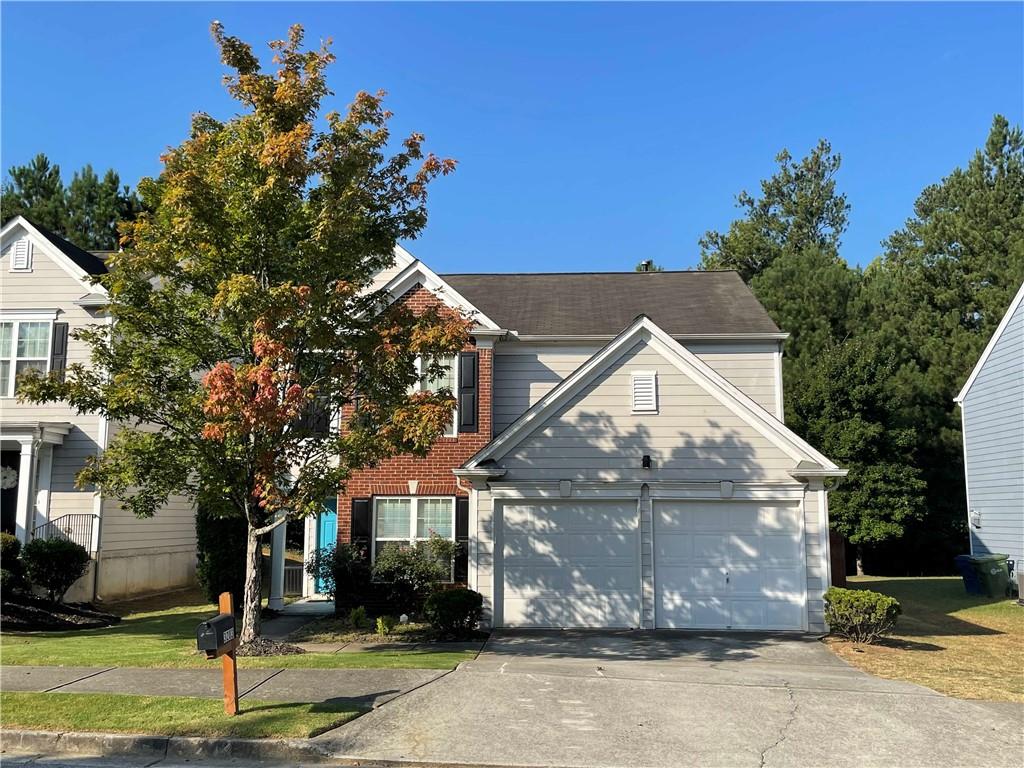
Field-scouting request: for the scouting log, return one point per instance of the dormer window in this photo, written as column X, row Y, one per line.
column 21, row 255
column 645, row 391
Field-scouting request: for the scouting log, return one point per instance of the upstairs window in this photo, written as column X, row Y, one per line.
column 24, row 344
column 645, row 391
column 21, row 256
column 446, row 380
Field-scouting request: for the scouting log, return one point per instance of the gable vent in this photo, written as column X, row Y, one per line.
column 645, row 391
column 21, row 256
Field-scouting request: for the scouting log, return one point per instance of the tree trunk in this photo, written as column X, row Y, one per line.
column 252, row 598
column 860, row 560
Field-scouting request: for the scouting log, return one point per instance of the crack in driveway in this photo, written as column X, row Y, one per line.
column 784, row 730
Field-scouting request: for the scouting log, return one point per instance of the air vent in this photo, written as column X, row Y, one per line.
column 21, row 256
column 645, row 391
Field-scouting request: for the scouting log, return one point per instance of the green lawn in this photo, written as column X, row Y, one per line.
column 168, row 715
column 959, row 644
column 153, row 635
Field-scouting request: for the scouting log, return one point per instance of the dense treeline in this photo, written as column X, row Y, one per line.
column 86, row 212
column 877, row 355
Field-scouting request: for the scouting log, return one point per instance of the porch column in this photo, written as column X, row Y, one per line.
column 277, row 547
column 43, row 476
column 24, row 517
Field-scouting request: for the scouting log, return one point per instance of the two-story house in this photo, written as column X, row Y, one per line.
column 618, row 456
column 45, row 294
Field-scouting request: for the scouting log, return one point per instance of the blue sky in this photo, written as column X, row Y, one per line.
column 589, row 136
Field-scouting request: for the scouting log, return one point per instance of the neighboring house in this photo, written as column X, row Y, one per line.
column 617, row 457
column 992, row 415
column 45, row 294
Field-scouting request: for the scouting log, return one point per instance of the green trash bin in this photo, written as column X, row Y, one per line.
column 993, row 573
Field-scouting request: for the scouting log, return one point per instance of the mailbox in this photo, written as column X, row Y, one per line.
column 215, row 633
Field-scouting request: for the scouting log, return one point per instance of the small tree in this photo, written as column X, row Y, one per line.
column 242, row 298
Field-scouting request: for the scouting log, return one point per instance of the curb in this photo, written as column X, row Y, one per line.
column 52, row 743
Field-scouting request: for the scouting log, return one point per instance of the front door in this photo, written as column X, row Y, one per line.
column 326, row 532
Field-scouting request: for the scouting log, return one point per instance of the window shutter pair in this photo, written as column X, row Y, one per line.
column 59, row 349
column 469, row 386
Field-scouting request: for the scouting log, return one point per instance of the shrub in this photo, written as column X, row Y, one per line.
column 410, row 573
column 454, row 612
column 220, row 554
column 860, row 615
column 385, row 625
column 55, row 564
column 12, row 570
column 345, row 574
column 357, row 617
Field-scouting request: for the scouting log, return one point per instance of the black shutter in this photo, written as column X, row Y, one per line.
column 59, row 349
column 361, row 524
column 468, row 400
column 462, row 537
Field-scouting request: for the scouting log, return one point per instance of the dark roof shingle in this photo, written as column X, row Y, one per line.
column 87, row 261
column 603, row 303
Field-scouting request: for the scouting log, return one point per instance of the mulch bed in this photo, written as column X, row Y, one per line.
column 263, row 646
column 28, row 613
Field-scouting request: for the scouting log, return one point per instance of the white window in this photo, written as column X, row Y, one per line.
column 404, row 520
column 21, row 256
column 645, row 391
column 446, row 380
column 24, row 344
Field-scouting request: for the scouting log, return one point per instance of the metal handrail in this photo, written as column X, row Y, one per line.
column 75, row 527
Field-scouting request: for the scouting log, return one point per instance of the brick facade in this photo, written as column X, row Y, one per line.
column 433, row 472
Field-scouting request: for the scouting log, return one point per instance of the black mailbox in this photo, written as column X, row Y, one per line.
column 216, row 632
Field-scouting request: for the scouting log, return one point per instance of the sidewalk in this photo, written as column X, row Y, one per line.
column 359, row 687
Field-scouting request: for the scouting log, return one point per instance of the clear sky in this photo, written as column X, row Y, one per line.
column 589, row 136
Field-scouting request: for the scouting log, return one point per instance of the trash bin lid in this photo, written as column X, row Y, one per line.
column 989, row 558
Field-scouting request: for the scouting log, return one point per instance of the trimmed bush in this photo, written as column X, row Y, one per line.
column 220, row 554
column 410, row 573
column 12, row 570
column 345, row 574
column 357, row 617
column 860, row 615
column 454, row 612
column 55, row 564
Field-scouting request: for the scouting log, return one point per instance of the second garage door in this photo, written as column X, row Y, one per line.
column 570, row 564
column 728, row 565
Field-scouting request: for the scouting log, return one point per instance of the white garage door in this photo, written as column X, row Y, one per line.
column 570, row 564
column 728, row 565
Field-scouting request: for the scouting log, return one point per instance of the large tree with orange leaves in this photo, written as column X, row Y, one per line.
column 242, row 299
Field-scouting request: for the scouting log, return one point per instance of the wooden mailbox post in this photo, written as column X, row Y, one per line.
column 217, row 638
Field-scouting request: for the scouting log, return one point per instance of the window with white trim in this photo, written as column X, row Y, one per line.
column 21, row 255
column 24, row 344
column 404, row 520
column 645, row 391
column 447, row 380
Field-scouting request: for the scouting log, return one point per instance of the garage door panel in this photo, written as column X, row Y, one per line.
column 729, row 564
column 570, row 564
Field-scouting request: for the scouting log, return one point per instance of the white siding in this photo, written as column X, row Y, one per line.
column 693, row 437
column 993, row 418
column 524, row 373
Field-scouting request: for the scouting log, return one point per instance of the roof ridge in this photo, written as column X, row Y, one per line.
column 609, row 272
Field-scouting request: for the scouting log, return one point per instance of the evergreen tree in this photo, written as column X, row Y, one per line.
column 95, row 207
column 648, row 265
column 35, row 191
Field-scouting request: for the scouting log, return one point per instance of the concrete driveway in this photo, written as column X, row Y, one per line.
column 677, row 699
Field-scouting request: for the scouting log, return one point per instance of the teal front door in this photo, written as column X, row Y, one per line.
column 326, row 531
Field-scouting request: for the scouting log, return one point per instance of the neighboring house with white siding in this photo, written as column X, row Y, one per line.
column 992, row 414
column 618, row 457
column 46, row 293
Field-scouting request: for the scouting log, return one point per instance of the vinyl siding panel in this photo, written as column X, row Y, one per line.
column 993, row 420
column 693, row 437
column 524, row 373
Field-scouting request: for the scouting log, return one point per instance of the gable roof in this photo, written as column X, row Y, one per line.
column 991, row 344
column 418, row 273
column 78, row 263
column 603, row 303
column 644, row 329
